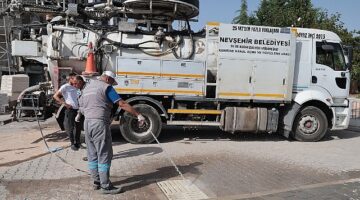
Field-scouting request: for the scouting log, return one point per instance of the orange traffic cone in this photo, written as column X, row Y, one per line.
column 90, row 68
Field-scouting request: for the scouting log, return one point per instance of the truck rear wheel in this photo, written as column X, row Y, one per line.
column 131, row 131
column 310, row 125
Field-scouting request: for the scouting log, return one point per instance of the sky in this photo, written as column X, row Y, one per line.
column 225, row 10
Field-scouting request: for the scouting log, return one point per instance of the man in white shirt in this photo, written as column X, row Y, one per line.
column 68, row 95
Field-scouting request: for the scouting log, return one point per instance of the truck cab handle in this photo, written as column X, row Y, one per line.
column 314, row 79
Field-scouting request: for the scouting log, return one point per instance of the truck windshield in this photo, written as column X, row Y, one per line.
column 331, row 55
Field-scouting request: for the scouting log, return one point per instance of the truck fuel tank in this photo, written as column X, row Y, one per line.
column 238, row 119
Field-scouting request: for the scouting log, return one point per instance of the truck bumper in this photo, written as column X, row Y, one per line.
column 342, row 115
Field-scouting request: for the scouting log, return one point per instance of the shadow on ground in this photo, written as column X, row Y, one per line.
column 7, row 150
column 161, row 174
column 53, row 137
column 148, row 151
column 343, row 134
column 173, row 134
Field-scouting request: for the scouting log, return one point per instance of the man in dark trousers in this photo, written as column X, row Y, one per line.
column 96, row 103
column 68, row 95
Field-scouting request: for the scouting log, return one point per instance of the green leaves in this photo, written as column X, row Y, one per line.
column 242, row 17
column 286, row 13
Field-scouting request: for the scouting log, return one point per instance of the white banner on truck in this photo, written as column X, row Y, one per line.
column 254, row 42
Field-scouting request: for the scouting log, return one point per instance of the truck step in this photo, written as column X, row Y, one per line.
column 200, row 112
column 193, row 123
column 341, row 115
column 211, row 84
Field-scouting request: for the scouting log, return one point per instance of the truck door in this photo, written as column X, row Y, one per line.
column 329, row 71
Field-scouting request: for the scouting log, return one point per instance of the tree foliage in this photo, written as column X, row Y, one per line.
column 242, row 17
column 285, row 13
column 302, row 13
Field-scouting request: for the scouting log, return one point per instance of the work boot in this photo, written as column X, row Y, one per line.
column 77, row 145
column 74, row 148
column 96, row 186
column 111, row 190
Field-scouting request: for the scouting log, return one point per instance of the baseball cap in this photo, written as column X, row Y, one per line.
column 110, row 74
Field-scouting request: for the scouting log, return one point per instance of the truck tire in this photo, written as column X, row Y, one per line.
column 310, row 125
column 141, row 135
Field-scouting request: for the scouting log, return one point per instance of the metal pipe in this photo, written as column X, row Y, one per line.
column 100, row 5
column 63, row 28
column 34, row 88
column 29, row 89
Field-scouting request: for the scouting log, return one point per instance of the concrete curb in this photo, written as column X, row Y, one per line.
column 5, row 119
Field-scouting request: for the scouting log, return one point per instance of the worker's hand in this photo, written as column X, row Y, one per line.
column 141, row 120
column 78, row 117
column 67, row 106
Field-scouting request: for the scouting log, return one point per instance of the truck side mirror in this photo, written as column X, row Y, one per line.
column 348, row 50
column 346, row 60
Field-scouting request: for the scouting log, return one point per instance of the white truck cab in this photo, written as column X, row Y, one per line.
column 322, row 79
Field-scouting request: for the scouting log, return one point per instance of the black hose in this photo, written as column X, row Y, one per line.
column 53, row 150
column 192, row 45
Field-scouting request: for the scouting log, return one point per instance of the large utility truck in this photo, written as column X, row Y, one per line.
column 241, row 78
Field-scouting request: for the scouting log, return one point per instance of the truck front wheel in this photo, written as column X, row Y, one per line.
column 131, row 131
column 310, row 125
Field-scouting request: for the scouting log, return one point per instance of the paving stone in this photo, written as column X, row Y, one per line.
column 231, row 168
